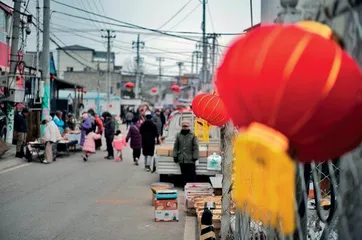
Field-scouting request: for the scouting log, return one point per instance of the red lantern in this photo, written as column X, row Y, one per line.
column 79, row 90
column 176, row 88
column 297, row 82
column 84, row 91
column 129, row 85
column 210, row 108
column 154, row 90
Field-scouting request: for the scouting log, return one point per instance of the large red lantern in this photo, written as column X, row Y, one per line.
column 175, row 88
column 129, row 85
column 298, row 83
column 210, row 108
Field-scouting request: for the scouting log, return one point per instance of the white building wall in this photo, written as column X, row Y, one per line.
column 65, row 61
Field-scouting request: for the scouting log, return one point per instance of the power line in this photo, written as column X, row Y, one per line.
column 115, row 20
column 210, row 16
column 128, row 25
column 174, row 15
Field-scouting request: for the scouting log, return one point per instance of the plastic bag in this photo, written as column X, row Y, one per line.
column 214, row 162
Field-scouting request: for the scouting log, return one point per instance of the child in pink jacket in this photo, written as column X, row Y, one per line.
column 89, row 146
column 119, row 143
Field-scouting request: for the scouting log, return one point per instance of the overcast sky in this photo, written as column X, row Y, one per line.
column 223, row 16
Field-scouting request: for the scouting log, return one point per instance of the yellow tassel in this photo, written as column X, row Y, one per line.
column 265, row 177
column 202, row 130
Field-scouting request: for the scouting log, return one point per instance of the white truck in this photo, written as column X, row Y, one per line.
column 165, row 165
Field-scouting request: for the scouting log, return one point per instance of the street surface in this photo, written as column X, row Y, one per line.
column 71, row 199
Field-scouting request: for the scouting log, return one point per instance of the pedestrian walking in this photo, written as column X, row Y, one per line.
column 99, row 130
column 157, row 120
column 136, row 139
column 186, row 152
column 89, row 146
column 85, row 128
column 129, row 118
column 149, row 135
column 119, row 143
column 51, row 136
column 21, row 129
column 109, row 130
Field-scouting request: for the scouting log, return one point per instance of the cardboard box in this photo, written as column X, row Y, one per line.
column 163, row 150
column 166, row 210
column 166, row 215
column 213, row 149
column 171, row 204
column 203, row 154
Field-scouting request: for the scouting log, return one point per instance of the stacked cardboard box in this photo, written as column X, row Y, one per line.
column 204, row 151
column 193, row 190
column 166, row 206
column 216, row 213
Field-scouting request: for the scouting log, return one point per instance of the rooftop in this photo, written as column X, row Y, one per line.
column 76, row 48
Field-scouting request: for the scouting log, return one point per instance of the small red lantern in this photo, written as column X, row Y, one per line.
column 297, row 82
column 154, row 90
column 129, row 85
column 84, row 91
column 110, row 105
column 175, row 88
column 79, row 90
column 210, row 108
column 52, row 77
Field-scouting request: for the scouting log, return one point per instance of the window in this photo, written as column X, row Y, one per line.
column 87, row 69
column 69, row 69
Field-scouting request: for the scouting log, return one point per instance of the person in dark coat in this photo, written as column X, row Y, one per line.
column 21, row 129
column 149, row 135
column 136, row 139
column 186, row 152
column 157, row 120
column 109, row 131
column 163, row 121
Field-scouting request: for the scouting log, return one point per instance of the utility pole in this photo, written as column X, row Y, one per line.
column 251, row 13
column 138, row 44
column 160, row 60
column 179, row 64
column 109, row 37
column 214, row 37
column 13, row 67
column 37, row 35
column 204, row 43
column 46, row 59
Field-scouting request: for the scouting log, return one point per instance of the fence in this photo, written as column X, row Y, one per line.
column 328, row 202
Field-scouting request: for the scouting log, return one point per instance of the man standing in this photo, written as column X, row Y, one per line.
column 149, row 135
column 21, row 129
column 109, row 131
column 186, row 152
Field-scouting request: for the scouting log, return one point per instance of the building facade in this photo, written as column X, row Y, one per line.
column 78, row 58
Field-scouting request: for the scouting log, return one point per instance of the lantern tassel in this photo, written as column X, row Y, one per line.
column 265, row 177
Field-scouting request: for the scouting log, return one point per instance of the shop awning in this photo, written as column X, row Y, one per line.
column 61, row 84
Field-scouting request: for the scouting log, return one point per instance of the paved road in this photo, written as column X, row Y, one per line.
column 72, row 199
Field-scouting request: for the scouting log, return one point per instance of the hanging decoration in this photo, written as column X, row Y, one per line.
column 299, row 83
column 154, row 91
column 298, row 95
column 175, row 88
column 202, row 130
column 210, row 108
column 129, row 85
